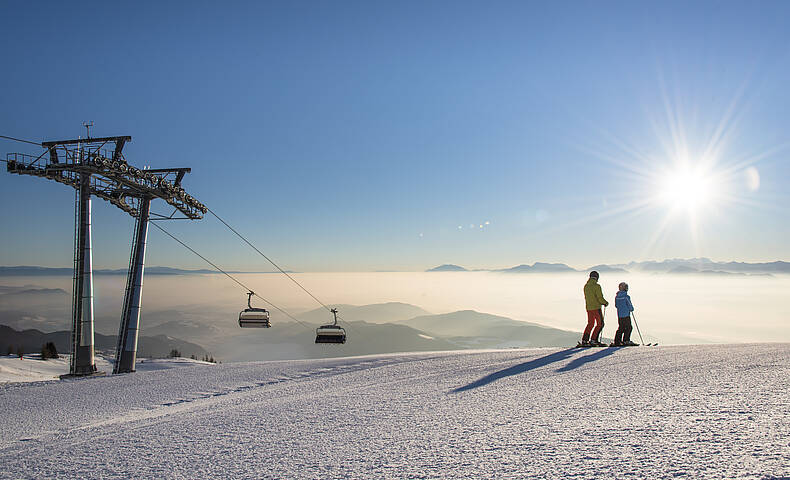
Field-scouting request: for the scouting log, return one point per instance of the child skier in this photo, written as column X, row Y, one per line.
column 622, row 338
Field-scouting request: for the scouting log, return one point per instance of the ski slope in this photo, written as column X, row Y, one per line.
column 716, row 411
column 31, row 368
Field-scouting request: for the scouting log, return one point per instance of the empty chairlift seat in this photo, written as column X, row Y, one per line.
column 253, row 317
column 330, row 333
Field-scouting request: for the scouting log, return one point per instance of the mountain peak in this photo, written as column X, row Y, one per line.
column 448, row 267
column 540, row 267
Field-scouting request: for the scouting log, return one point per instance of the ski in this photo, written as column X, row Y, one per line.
column 612, row 345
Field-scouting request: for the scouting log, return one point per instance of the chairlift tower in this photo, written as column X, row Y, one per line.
column 97, row 167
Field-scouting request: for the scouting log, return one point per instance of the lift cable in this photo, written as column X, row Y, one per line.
column 20, row 140
column 229, row 275
column 268, row 259
column 276, row 266
column 215, row 266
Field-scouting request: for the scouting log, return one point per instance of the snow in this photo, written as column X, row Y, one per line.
column 714, row 411
column 30, row 368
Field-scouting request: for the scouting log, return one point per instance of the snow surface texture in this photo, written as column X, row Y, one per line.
column 31, row 368
column 718, row 411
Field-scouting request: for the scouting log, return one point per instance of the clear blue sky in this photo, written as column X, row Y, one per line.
column 362, row 135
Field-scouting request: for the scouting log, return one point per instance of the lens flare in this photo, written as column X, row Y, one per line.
column 752, row 179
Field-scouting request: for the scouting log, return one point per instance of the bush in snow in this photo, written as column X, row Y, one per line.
column 48, row 350
column 174, row 353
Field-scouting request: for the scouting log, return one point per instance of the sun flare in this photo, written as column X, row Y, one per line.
column 688, row 189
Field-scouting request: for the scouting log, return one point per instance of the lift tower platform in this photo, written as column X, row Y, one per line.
column 97, row 167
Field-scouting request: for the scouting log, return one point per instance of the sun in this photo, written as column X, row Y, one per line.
column 688, row 189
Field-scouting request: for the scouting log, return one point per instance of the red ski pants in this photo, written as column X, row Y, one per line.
column 595, row 320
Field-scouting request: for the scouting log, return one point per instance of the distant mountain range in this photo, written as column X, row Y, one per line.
column 32, row 293
column 375, row 313
column 30, row 271
column 471, row 329
column 30, row 341
column 377, row 328
column 703, row 266
column 289, row 340
column 706, row 265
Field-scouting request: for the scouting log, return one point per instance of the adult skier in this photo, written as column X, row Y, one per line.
column 624, row 308
column 593, row 299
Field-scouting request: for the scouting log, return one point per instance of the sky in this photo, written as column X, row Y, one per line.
column 363, row 136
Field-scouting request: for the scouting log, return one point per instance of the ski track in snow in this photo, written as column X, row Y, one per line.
column 720, row 411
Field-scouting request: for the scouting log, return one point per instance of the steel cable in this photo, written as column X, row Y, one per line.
column 19, row 140
column 275, row 265
column 229, row 275
column 268, row 259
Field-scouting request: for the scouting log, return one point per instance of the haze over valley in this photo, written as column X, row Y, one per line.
column 418, row 311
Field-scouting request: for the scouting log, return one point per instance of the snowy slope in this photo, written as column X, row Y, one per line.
column 718, row 411
column 31, row 368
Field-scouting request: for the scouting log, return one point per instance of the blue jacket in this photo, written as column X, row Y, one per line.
column 623, row 303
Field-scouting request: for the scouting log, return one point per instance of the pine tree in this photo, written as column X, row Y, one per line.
column 48, row 350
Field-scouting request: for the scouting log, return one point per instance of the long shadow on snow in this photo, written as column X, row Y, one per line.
column 516, row 369
column 539, row 362
column 578, row 362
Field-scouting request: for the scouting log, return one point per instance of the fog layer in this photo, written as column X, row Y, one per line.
column 669, row 308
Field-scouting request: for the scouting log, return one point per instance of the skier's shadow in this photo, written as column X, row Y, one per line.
column 578, row 362
column 539, row 362
column 520, row 368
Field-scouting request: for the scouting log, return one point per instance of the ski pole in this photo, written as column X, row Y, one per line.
column 637, row 328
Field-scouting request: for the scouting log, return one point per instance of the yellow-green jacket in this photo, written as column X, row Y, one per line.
column 593, row 296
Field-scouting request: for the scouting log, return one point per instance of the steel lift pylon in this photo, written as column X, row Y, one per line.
column 97, row 167
column 126, row 351
column 82, row 359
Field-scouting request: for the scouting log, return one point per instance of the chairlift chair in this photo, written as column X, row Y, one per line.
column 330, row 333
column 253, row 317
